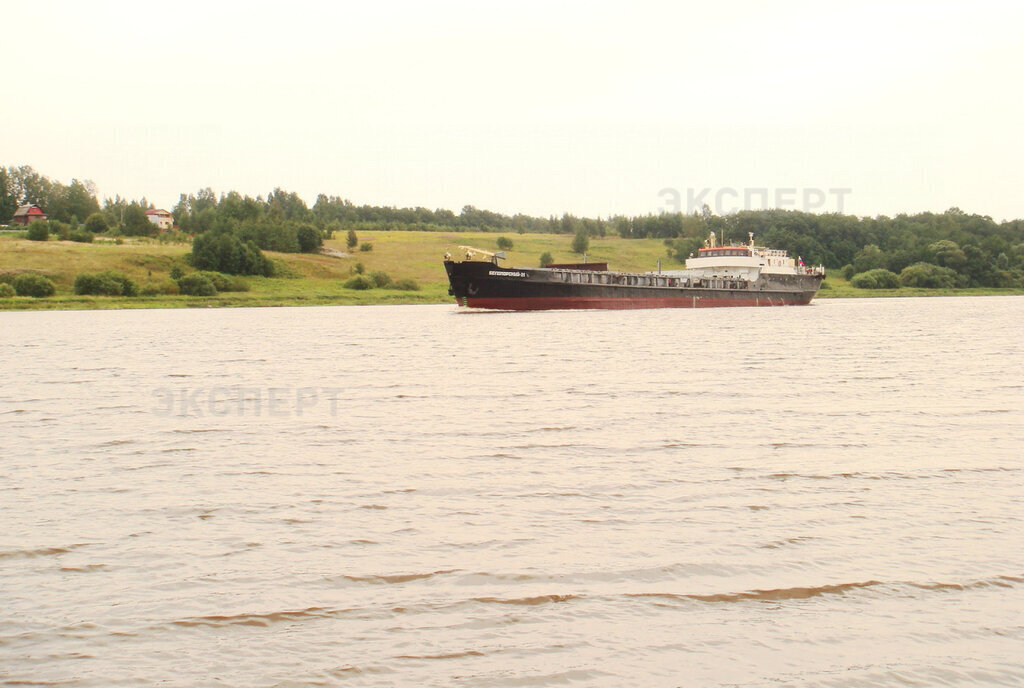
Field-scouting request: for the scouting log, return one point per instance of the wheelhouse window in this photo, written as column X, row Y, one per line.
column 716, row 253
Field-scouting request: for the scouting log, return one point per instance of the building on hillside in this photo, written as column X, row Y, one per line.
column 161, row 218
column 26, row 214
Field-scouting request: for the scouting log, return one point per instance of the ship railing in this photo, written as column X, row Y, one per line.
column 472, row 254
column 649, row 280
column 773, row 252
column 615, row 278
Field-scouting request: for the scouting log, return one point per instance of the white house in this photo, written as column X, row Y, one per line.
column 161, row 218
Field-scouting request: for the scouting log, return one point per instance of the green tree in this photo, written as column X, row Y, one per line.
column 106, row 283
column 194, row 284
column 29, row 186
column 580, row 242
column 76, row 199
column 978, row 267
column 928, row 276
column 235, row 206
column 96, row 223
column 82, row 236
column 879, row 278
column 136, row 223
column 380, row 278
column 113, row 211
column 61, row 229
column 223, row 252
column 948, row 254
column 504, row 243
column 200, row 201
column 30, row 284
column 869, row 258
column 38, row 230
column 309, row 238
column 546, row 259
column 351, row 240
column 270, row 234
column 291, row 206
column 900, row 258
column 8, row 197
column 222, row 282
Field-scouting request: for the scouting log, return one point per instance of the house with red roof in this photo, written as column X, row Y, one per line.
column 161, row 218
column 26, row 214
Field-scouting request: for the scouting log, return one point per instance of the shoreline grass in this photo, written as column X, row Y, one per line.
column 317, row 279
column 835, row 287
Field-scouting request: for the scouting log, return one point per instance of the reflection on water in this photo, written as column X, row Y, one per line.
column 827, row 495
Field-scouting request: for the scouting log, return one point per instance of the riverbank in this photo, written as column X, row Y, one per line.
column 318, row 279
column 835, row 287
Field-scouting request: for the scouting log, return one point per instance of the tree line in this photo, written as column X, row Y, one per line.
column 202, row 210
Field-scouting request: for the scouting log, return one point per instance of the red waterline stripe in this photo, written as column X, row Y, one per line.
column 535, row 303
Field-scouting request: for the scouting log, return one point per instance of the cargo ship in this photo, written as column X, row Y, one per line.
column 733, row 275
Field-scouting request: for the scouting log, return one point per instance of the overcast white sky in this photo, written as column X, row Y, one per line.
column 535, row 107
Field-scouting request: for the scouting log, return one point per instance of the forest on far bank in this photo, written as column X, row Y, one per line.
column 952, row 248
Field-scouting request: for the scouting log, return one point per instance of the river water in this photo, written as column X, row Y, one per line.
column 413, row 496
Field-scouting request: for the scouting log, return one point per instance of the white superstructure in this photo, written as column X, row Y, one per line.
column 741, row 262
